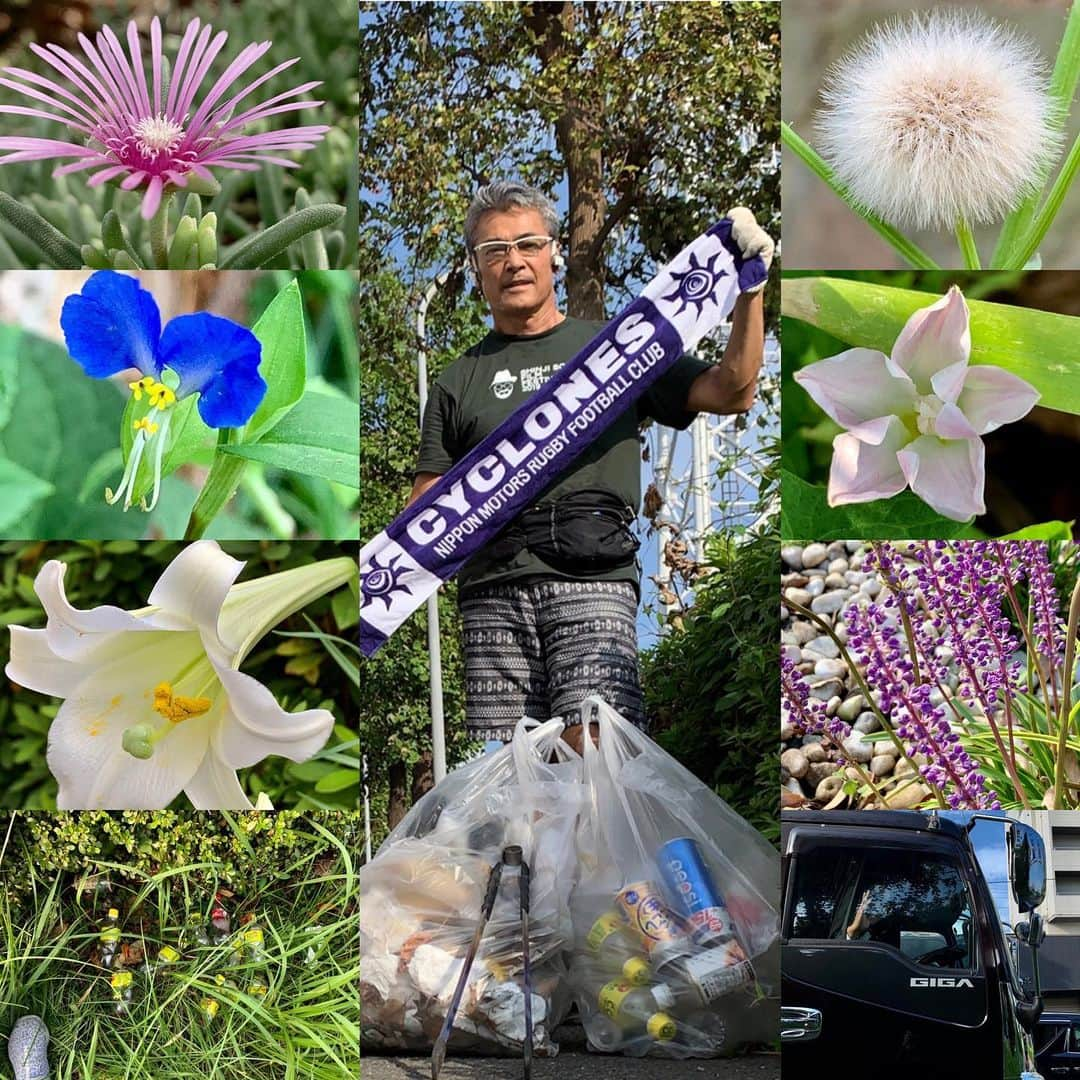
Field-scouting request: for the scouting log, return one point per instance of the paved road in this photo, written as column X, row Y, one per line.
column 573, row 1065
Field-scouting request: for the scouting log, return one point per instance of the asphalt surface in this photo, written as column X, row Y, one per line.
column 573, row 1065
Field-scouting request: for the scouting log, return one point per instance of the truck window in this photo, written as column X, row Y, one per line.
column 915, row 902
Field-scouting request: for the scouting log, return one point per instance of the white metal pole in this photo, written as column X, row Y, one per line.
column 438, row 722
column 699, row 483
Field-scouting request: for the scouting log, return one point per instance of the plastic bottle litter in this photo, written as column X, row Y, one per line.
column 194, row 932
column 166, row 957
column 121, row 991
column 220, row 924
column 110, row 939
column 256, row 954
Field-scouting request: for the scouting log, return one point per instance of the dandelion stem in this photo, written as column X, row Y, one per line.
column 159, row 238
column 1045, row 217
column 1066, row 697
column 967, row 245
column 912, row 254
column 1063, row 83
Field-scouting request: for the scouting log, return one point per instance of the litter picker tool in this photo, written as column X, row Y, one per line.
column 511, row 857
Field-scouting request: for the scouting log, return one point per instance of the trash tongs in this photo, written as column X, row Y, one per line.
column 511, row 856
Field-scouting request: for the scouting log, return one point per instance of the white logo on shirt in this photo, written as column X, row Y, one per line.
column 532, row 378
column 502, row 386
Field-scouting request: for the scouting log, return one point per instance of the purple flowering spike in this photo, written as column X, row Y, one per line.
column 126, row 133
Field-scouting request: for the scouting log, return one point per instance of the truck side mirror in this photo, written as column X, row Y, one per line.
column 1027, row 866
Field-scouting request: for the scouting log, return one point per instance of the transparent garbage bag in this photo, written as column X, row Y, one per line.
column 423, row 890
column 675, row 909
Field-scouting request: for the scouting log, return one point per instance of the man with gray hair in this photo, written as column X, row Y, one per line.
column 550, row 608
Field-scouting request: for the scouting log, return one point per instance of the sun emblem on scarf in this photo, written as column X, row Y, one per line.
column 381, row 582
column 695, row 285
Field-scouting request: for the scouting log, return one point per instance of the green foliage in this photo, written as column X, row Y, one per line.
column 711, row 687
column 903, row 517
column 122, row 572
column 660, row 116
column 62, row 221
column 295, row 874
column 136, row 844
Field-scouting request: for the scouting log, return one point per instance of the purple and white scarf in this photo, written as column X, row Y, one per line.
column 427, row 543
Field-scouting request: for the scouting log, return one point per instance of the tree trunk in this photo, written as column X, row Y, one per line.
column 577, row 132
column 397, row 806
column 423, row 777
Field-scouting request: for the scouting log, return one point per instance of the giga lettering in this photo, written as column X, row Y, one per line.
column 940, row 982
column 543, row 421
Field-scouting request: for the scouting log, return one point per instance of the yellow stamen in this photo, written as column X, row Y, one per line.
column 161, row 396
column 137, row 388
column 146, row 424
column 176, row 707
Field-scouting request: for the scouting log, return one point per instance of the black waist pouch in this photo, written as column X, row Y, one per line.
column 583, row 531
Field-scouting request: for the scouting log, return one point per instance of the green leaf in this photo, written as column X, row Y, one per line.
column 9, row 370
column 56, row 248
column 61, row 422
column 346, row 609
column 281, row 333
column 259, row 249
column 1047, row 530
column 319, row 437
column 338, row 780
column 19, row 491
column 805, row 515
column 1038, row 346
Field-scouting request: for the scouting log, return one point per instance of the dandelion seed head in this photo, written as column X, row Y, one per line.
column 940, row 117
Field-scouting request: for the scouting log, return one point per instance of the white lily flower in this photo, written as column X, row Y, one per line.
column 154, row 701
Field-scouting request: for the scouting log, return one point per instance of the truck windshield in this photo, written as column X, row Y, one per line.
column 915, row 902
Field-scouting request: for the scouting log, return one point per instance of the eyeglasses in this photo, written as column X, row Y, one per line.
column 491, row 252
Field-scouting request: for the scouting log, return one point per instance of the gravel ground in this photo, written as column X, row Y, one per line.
column 573, row 1065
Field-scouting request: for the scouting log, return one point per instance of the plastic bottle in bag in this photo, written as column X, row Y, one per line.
column 624, row 1003
column 716, row 971
column 614, row 951
column 110, row 939
column 607, row 1034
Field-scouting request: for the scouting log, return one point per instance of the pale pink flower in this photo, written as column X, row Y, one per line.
column 151, row 128
column 916, row 418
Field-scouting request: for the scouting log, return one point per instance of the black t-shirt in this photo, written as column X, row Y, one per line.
column 481, row 389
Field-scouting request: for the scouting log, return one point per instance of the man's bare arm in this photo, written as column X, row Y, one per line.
column 422, row 482
column 731, row 385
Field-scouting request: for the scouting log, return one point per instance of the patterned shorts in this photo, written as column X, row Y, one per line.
column 538, row 649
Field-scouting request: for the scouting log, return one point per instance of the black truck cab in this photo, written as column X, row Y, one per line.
column 893, row 954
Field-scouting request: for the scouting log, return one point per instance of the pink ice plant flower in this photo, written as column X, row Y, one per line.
column 916, row 418
column 152, row 130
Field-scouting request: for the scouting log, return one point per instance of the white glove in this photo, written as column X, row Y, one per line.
column 751, row 238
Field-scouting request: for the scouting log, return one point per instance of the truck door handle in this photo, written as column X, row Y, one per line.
column 798, row 1024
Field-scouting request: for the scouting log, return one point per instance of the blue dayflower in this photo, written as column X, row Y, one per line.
column 114, row 325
